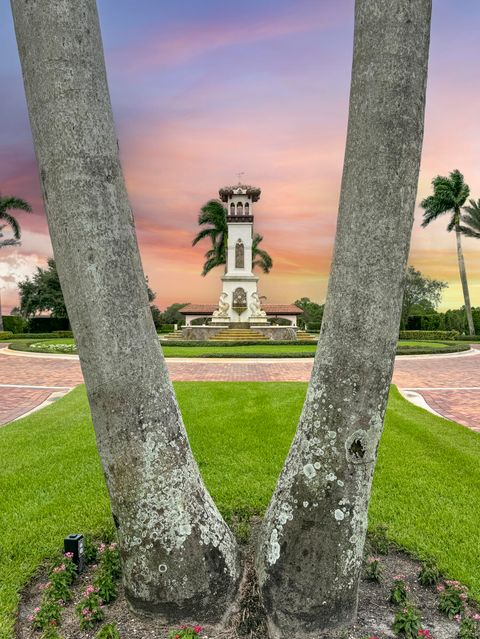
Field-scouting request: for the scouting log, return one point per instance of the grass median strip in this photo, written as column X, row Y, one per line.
column 67, row 346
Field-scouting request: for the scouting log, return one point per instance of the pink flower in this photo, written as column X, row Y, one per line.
column 197, row 629
column 424, row 632
column 31, row 617
column 69, row 555
column 463, row 596
column 112, row 546
column 37, row 609
column 101, row 548
column 476, row 617
column 457, row 617
column 440, row 588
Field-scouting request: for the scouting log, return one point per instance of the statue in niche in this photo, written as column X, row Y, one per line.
column 239, row 254
column 256, row 306
column 223, row 306
column 239, row 299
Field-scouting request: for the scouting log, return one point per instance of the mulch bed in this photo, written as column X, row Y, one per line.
column 375, row 613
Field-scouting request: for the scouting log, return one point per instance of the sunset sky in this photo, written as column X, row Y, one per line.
column 204, row 90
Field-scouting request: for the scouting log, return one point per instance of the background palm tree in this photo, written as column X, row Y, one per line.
column 449, row 195
column 214, row 216
column 471, row 219
column 11, row 204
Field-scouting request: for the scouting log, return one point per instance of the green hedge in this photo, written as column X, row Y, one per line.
column 6, row 334
column 165, row 328
column 33, row 336
column 13, row 323
column 48, row 324
column 314, row 326
column 268, row 342
column 68, row 334
column 468, row 338
column 421, row 336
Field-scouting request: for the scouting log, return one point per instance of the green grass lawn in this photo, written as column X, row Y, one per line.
column 426, row 486
column 261, row 350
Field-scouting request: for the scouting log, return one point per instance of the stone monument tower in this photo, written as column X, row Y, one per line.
column 239, row 301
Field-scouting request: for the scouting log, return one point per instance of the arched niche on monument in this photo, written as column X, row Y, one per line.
column 232, row 209
column 239, row 254
column 247, row 208
column 239, row 208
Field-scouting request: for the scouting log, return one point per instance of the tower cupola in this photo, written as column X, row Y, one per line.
column 239, row 201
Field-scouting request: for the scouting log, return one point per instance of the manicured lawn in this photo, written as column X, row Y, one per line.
column 426, row 487
column 261, row 350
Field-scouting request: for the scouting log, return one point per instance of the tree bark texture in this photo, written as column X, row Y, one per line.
column 464, row 280
column 312, row 541
column 179, row 557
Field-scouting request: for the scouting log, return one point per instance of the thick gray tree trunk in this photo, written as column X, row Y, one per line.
column 464, row 280
column 179, row 557
column 312, row 541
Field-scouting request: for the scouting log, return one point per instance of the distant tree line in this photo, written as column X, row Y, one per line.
column 42, row 293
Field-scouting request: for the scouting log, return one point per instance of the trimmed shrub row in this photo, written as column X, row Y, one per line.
column 48, row 324
column 200, row 343
column 428, row 335
column 55, row 334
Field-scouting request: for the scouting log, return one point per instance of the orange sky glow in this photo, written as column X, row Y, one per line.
column 201, row 96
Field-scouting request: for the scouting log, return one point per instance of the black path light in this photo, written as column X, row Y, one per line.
column 74, row 544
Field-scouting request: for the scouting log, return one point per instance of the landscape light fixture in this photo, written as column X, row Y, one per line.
column 74, row 544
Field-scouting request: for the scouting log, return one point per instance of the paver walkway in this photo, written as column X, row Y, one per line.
column 450, row 384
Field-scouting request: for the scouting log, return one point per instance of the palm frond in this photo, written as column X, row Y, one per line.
column 468, row 231
column 10, row 242
column 211, row 233
column 260, row 257
column 9, row 219
column 209, row 265
column 14, row 204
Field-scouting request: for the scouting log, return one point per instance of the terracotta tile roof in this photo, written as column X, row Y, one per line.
column 270, row 309
column 277, row 309
column 198, row 309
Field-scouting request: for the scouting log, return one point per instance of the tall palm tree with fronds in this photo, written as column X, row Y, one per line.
column 470, row 225
column 7, row 204
column 214, row 216
column 449, row 195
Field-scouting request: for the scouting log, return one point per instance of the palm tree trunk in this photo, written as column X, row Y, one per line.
column 464, row 280
column 179, row 557
column 311, row 545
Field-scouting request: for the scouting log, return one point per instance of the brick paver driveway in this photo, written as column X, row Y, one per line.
column 450, row 384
